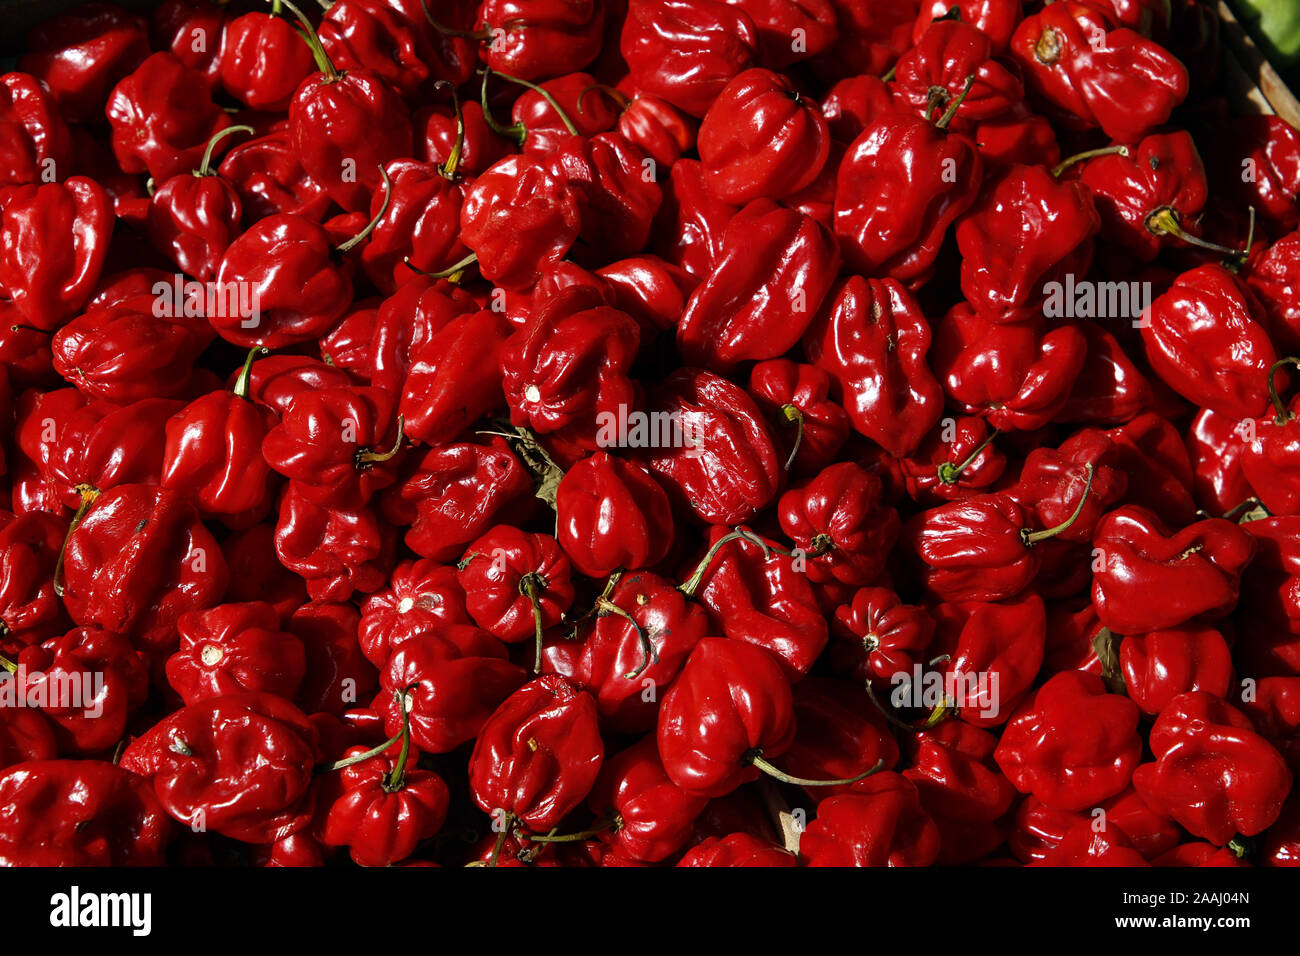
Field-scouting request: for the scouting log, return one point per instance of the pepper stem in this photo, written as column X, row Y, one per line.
column 451, row 167
column 246, row 373
column 395, row 780
column 755, row 759
column 1033, row 537
column 611, row 823
column 313, row 43
column 528, row 587
column 370, row 226
column 648, row 651
column 1283, row 416
column 794, row 416
column 1165, row 221
column 358, row 758
column 949, row 473
column 367, row 457
column 205, row 167
column 450, row 273
column 515, row 131
column 955, row 105
column 564, row 117
column 1086, row 155
column 8, row 665
column 88, row 495
column 692, row 584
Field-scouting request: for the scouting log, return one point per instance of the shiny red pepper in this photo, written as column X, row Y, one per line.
column 269, row 179
column 1185, row 338
column 872, row 338
column 455, row 493
column 726, row 468
column 737, row 849
column 762, row 597
column 539, row 39
column 80, row 813
column 643, row 631
column 611, row 515
column 232, row 649
column 289, row 287
column 686, row 51
column 37, row 146
column 730, row 707
column 345, row 126
column 1053, row 224
column 335, row 550
column 517, row 218
column 880, row 823
column 1147, row 578
column 239, row 765
column 1071, row 744
column 1160, row 665
column 653, row 816
column 80, row 55
column 424, row 598
column 163, row 117
column 876, row 636
column 841, row 524
column 1017, row 375
column 538, row 755
column 1212, row 772
column 30, row 611
column 138, row 559
column 934, row 74
column 761, row 140
column 89, row 682
column 53, row 243
column 337, row 445
column 419, row 228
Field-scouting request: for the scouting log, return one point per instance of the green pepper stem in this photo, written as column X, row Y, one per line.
column 1283, row 416
column 648, row 651
column 955, row 104
column 395, row 780
column 313, row 43
column 89, row 494
column 756, row 760
column 793, row 416
column 449, row 273
column 1086, row 155
column 1165, row 221
column 1033, row 537
column 361, row 757
column 950, row 474
column 515, row 131
column 692, row 584
column 604, row 826
column 451, row 168
column 564, row 117
column 370, row 226
column 528, row 587
column 242, row 383
column 367, row 457
column 205, row 167
column 8, row 665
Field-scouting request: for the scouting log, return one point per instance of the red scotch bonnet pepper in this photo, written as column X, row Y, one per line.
column 655, row 433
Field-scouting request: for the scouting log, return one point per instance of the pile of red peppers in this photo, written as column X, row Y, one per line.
column 646, row 433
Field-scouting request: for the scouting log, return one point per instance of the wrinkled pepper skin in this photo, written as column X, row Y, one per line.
column 1148, row 578
column 1212, row 772
column 1072, row 744
column 872, row 338
column 774, row 269
column 729, row 702
column 240, row 764
column 1187, row 334
column 538, row 756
